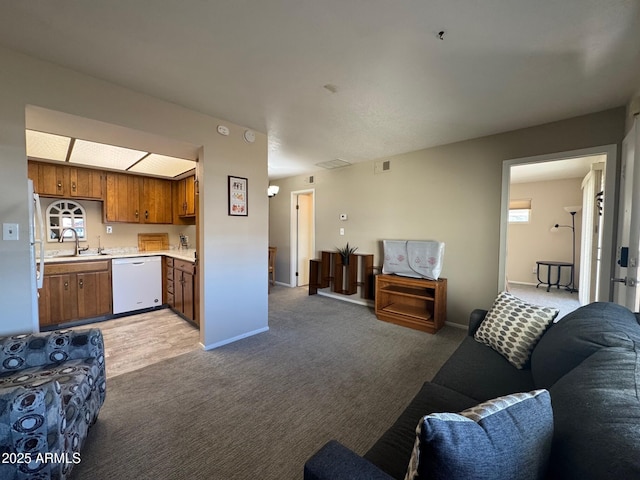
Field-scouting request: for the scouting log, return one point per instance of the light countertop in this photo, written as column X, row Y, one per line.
column 188, row 255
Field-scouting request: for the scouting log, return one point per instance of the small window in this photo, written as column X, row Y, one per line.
column 519, row 211
column 63, row 216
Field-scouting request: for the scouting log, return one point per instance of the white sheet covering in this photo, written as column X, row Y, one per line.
column 413, row 258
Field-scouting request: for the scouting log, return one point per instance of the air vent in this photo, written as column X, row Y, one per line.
column 309, row 179
column 337, row 163
column 382, row 166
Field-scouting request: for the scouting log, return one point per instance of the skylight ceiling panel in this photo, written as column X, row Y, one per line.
column 47, row 146
column 163, row 165
column 99, row 155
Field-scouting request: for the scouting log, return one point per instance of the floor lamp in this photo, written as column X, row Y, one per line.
column 572, row 211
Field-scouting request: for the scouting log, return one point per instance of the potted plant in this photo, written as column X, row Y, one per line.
column 345, row 252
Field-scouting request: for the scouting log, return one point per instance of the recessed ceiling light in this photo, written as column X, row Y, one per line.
column 47, row 146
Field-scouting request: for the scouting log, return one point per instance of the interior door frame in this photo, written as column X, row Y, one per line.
column 293, row 263
column 605, row 290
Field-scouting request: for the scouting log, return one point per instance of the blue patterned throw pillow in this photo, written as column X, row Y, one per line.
column 513, row 327
column 508, row 437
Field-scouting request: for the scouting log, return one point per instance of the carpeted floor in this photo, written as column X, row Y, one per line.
column 561, row 299
column 260, row 407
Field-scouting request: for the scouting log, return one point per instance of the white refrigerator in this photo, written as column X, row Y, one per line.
column 36, row 240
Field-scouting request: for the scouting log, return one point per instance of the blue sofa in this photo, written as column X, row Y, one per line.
column 52, row 386
column 588, row 361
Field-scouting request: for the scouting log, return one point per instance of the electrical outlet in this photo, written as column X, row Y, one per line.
column 342, row 231
column 109, row 229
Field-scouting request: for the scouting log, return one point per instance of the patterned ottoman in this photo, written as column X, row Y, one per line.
column 52, row 386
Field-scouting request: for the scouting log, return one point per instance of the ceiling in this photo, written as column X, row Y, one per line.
column 355, row 80
column 554, row 170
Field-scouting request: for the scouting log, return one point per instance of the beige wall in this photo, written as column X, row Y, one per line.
column 232, row 250
column 527, row 243
column 449, row 193
column 125, row 235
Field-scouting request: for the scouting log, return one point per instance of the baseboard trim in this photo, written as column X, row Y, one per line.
column 523, row 283
column 234, row 339
column 344, row 298
column 457, row 325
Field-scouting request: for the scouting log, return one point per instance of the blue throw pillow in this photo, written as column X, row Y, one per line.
column 505, row 438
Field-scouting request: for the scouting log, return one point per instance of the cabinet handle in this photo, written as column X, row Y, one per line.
column 184, row 207
column 137, row 214
column 146, row 214
column 66, row 285
column 81, row 283
column 73, row 186
column 59, row 185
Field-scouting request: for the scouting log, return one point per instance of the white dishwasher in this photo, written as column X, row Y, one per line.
column 137, row 283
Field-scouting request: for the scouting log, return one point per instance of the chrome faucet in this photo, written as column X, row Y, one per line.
column 77, row 248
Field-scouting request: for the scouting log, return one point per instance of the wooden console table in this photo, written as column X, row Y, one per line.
column 329, row 271
column 416, row 303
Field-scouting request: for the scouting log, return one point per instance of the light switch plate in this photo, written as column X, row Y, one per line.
column 10, row 231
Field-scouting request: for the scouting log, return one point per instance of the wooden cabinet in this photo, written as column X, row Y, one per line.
column 75, row 291
column 85, row 183
column 181, row 289
column 127, row 198
column 48, row 179
column 51, row 180
column 156, row 200
column 122, row 198
column 135, row 199
column 412, row 302
column 187, row 197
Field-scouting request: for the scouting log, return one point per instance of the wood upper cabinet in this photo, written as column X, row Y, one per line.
column 156, row 200
column 135, row 199
column 187, row 196
column 52, row 180
column 122, row 198
column 85, row 183
column 75, row 291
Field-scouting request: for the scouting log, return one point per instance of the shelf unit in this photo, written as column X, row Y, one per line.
column 412, row 302
column 329, row 271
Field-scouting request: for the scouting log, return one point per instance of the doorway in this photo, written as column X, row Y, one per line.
column 303, row 238
column 601, row 269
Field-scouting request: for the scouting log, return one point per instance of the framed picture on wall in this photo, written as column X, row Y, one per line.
column 238, row 188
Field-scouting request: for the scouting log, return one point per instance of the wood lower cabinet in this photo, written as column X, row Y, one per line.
column 181, row 288
column 75, row 291
column 412, row 302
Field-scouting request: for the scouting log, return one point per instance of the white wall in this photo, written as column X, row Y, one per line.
column 450, row 193
column 533, row 241
column 233, row 250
